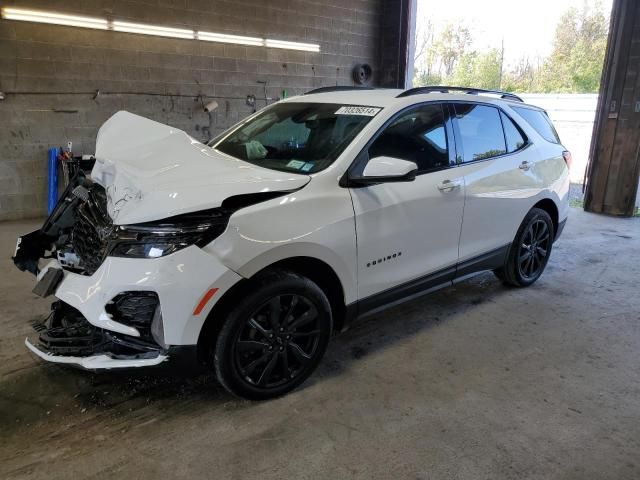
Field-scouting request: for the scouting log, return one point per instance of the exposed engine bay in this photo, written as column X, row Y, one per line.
column 75, row 233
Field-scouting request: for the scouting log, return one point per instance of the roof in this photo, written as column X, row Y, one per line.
column 378, row 97
column 385, row 97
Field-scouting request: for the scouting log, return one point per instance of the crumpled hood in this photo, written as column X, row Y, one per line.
column 153, row 171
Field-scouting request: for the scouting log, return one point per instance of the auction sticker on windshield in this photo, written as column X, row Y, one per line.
column 357, row 110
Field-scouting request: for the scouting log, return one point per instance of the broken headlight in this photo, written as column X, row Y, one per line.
column 164, row 237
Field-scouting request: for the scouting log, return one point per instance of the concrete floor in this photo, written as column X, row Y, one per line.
column 477, row 381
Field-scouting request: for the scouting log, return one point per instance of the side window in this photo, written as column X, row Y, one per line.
column 513, row 135
column 539, row 120
column 417, row 135
column 481, row 131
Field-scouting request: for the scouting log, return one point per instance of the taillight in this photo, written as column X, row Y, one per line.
column 568, row 159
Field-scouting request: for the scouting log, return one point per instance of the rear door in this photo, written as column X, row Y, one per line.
column 409, row 230
column 497, row 161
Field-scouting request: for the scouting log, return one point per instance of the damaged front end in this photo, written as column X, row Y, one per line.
column 73, row 234
column 124, row 249
column 66, row 336
column 109, row 278
column 76, row 238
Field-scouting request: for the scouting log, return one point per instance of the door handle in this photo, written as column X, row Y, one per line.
column 449, row 185
column 524, row 166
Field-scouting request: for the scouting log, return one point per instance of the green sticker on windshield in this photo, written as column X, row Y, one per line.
column 297, row 164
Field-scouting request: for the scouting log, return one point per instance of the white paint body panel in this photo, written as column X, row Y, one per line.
column 414, row 219
column 316, row 221
column 152, row 171
column 387, row 166
column 497, row 192
column 180, row 280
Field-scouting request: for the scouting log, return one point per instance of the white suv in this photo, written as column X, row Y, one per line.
column 250, row 251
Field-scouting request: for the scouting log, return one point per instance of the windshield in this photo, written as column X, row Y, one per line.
column 299, row 137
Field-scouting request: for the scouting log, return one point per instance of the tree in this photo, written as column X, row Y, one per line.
column 579, row 46
column 435, row 58
column 480, row 70
column 574, row 65
column 424, row 57
column 451, row 45
column 521, row 78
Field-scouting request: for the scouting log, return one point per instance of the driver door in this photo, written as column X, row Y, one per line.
column 408, row 232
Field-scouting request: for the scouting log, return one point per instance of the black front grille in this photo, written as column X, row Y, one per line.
column 87, row 244
column 67, row 332
column 134, row 309
column 91, row 231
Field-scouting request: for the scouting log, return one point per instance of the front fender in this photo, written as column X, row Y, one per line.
column 307, row 223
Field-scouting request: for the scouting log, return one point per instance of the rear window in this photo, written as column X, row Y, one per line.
column 540, row 122
column 513, row 135
column 481, row 131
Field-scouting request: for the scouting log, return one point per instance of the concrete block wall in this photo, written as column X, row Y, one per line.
column 58, row 68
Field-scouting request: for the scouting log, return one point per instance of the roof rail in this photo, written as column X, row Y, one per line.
column 469, row 90
column 337, row 88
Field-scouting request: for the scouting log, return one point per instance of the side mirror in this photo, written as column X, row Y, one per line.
column 387, row 169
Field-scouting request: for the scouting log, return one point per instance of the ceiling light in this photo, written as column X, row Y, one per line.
column 307, row 47
column 145, row 29
column 22, row 14
column 224, row 38
column 54, row 18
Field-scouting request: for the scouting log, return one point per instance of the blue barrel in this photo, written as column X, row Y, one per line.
column 53, row 179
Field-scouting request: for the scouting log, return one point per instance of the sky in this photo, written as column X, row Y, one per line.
column 527, row 26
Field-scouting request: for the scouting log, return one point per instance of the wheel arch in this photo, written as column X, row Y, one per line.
column 312, row 268
column 549, row 206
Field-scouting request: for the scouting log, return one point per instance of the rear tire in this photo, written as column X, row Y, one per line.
column 274, row 339
column 530, row 250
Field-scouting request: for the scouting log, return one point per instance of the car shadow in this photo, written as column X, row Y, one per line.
column 377, row 332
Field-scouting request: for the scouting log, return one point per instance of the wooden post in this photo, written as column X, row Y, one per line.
column 614, row 158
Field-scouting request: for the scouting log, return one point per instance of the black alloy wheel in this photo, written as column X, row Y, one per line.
column 275, row 338
column 534, row 249
column 278, row 341
column 529, row 253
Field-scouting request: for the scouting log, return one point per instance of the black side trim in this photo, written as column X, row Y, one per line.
column 424, row 285
column 561, row 226
column 407, row 291
column 488, row 261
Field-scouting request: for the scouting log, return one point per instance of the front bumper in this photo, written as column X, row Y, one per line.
column 179, row 281
column 96, row 362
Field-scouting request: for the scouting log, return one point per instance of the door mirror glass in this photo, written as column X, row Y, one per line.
column 388, row 169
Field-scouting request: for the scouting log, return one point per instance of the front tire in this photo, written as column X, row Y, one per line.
column 275, row 338
column 530, row 250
